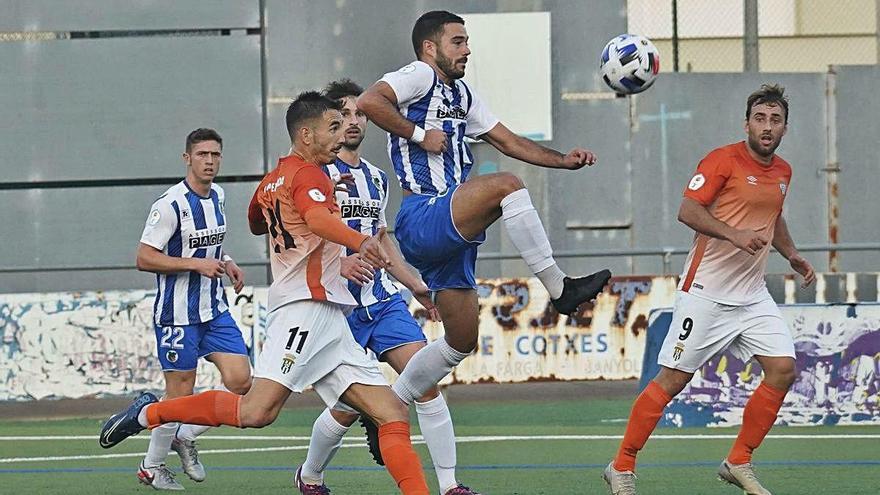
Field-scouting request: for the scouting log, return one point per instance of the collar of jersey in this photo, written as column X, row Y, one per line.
column 185, row 183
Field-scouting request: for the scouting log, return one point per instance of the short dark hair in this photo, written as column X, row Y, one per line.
column 308, row 105
column 430, row 27
column 342, row 88
column 773, row 94
column 202, row 134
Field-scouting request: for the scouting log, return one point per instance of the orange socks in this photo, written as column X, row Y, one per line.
column 758, row 417
column 646, row 412
column 211, row 408
column 401, row 460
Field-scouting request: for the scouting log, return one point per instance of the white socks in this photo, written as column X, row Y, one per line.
column 529, row 238
column 160, row 444
column 436, row 425
column 190, row 432
column 142, row 416
column 426, row 368
column 326, row 439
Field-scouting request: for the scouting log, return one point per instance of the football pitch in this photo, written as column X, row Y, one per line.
column 508, row 447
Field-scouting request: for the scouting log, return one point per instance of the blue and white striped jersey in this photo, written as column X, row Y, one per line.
column 363, row 208
column 183, row 224
column 428, row 102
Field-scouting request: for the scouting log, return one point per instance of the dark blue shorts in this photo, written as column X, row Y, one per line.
column 180, row 347
column 385, row 325
column 430, row 242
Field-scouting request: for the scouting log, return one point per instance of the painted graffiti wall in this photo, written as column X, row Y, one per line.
column 103, row 343
column 838, row 371
column 93, row 343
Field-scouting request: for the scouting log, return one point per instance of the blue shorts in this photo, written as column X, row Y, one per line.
column 180, row 347
column 430, row 242
column 384, row 325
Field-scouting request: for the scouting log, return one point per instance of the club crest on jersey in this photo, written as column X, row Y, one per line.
column 171, row 356
column 377, row 182
column 676, row 353
column 287, row 363
column 783, row 187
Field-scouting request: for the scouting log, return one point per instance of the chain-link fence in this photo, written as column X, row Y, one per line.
column 792, row 35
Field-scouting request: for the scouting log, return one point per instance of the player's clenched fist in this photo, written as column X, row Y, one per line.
column 210, row 267
column 578, row 158
column 750, row 241
column 435, row 141
column 372, row 252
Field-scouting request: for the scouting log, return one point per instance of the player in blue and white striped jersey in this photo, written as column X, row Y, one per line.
column 182, row 244
column 362, row 200
column 428, row 111
column 382, row 322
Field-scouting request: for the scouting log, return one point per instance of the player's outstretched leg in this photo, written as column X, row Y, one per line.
column 479, row 202
column 125, row 423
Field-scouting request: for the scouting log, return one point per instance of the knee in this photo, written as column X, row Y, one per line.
column 430, row 395
column 238, row 386
column 672, row 381
column 782, row 378
column 398, row 412
column 256, row 417
column 507, row 183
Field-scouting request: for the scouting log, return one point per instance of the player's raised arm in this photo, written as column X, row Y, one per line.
column 529, row 151
column 379, row 104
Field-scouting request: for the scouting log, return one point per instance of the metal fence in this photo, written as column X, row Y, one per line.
column 765, row 35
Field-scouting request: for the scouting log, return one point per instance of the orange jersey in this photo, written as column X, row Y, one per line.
column 304, row 266
column 744, row 194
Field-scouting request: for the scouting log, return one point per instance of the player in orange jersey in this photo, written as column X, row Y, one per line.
column 309, row 342
column 734, row 203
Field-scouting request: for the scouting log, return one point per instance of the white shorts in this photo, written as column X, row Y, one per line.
column 702, row 328
column 309, row 343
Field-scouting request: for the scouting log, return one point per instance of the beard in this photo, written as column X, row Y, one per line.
column 761, row 149
column 447, row 65
column 352, row 144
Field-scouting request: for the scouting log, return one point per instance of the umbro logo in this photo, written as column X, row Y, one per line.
column 752, row 180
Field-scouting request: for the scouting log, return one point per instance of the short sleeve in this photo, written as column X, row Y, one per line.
column 161, row 224
column 312, row 188
column 410, row 82
column 255, row 213
column 480, row 119
column 711, row 176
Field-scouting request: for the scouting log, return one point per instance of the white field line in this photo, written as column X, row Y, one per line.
column 416, row 440
column 479, row 438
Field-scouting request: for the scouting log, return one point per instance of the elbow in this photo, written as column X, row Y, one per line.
column 365, row 102
column 141, row 264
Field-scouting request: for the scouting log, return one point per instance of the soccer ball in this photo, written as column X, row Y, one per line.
column 629, row 63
